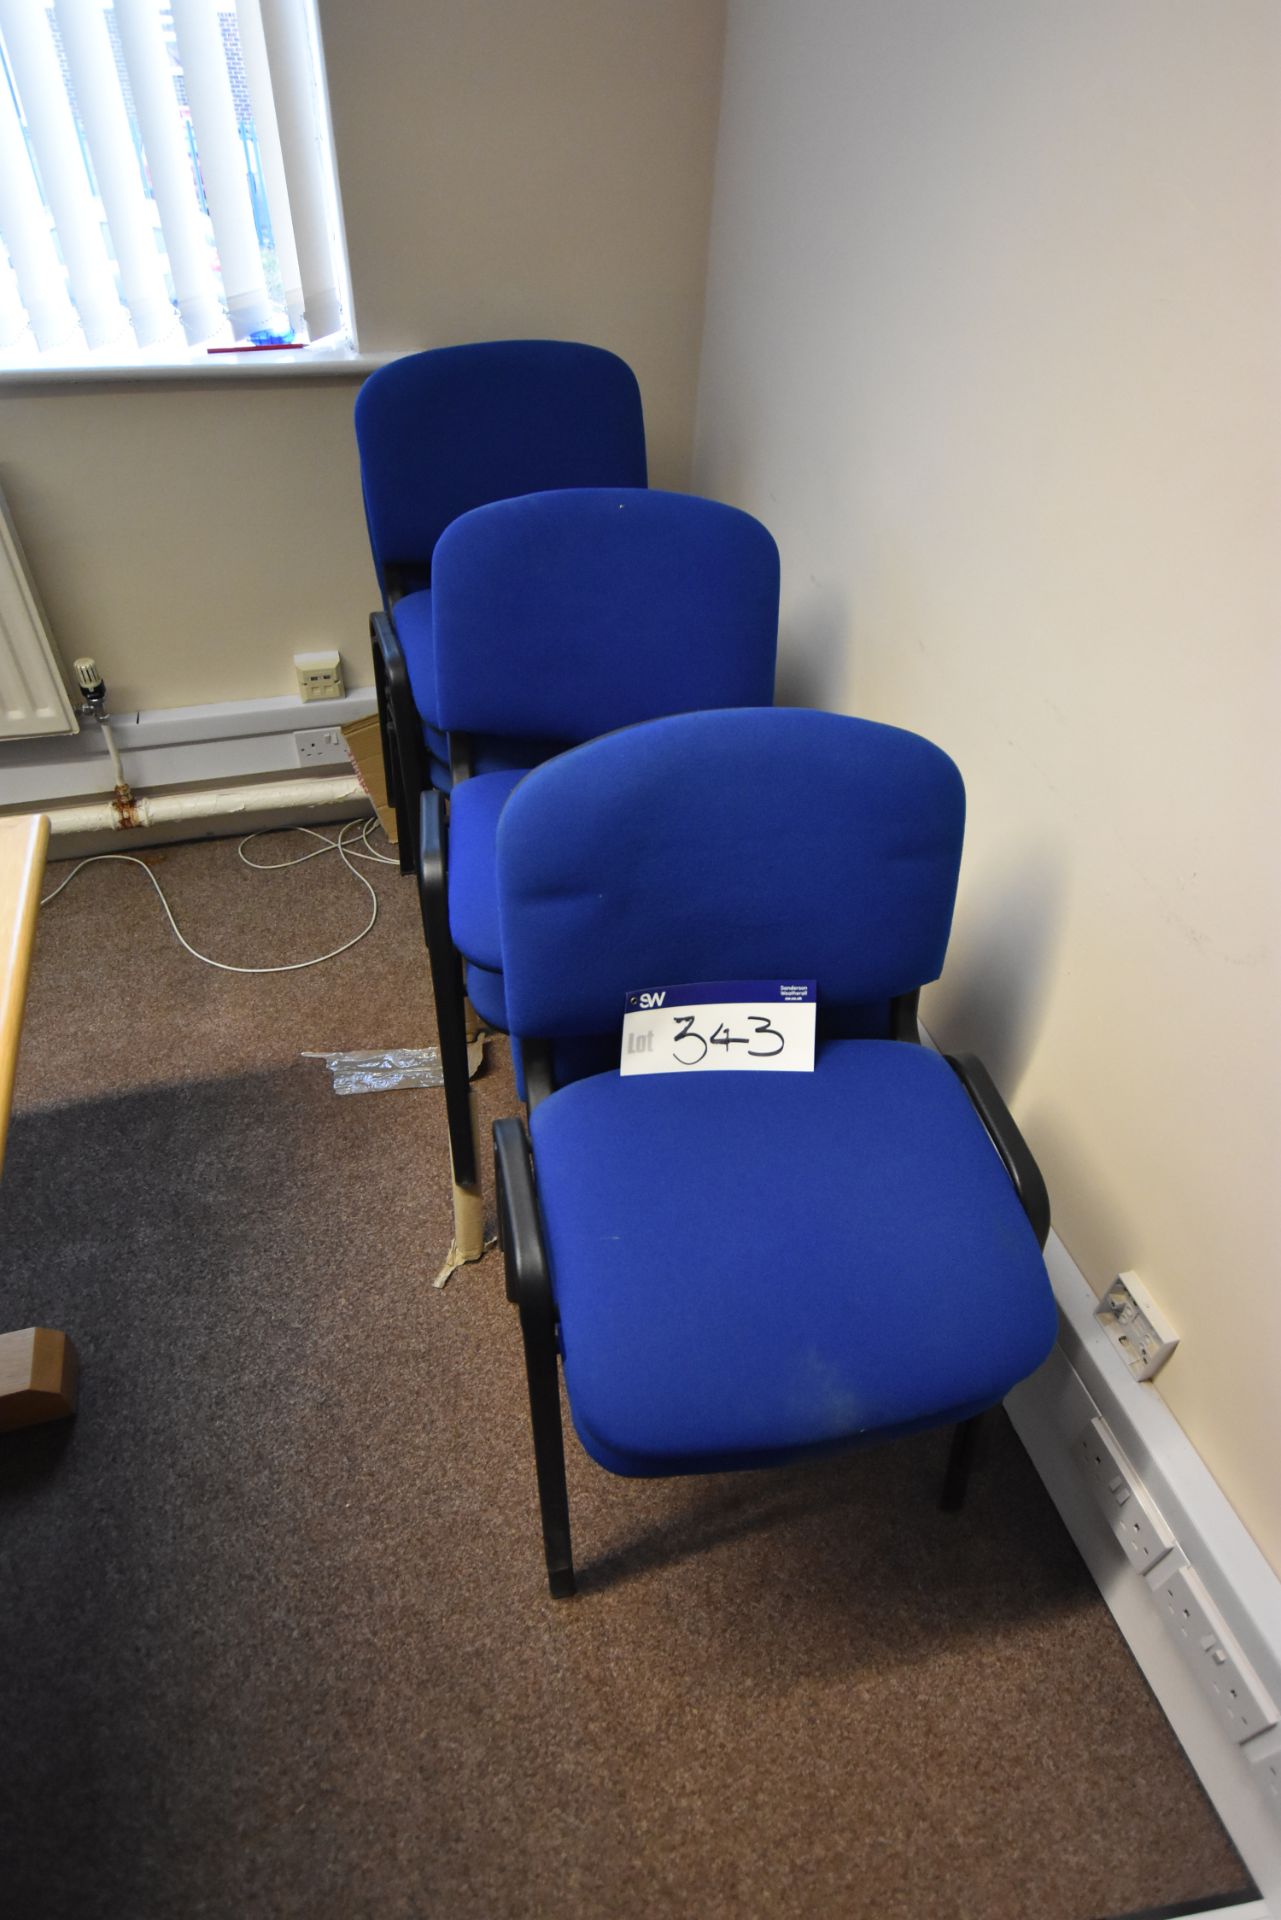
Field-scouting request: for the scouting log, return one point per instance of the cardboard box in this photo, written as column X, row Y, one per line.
column 364, row 745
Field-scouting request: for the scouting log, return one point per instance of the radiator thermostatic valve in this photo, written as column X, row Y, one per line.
column 92, row 686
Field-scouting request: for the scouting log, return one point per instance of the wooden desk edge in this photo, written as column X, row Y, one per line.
column 24, row 839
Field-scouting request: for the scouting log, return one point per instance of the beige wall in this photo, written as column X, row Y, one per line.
column 993, row 345
column 506, row 169
column 543, row 169
column 192, row 538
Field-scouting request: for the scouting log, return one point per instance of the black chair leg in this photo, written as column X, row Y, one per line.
column 959, row 1460
column 549, row 1461
column 412, row 776
column 529, row 1284
column 451, row 1030
column 396, row 795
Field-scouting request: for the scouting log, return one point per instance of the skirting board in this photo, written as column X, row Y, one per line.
column 204, row 746
column 1085, row 1376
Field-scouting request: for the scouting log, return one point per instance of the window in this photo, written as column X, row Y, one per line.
column 166, row 182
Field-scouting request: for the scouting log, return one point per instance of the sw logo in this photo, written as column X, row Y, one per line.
column 648, row 1000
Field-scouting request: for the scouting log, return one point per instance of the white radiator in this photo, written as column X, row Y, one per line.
column 33, row 698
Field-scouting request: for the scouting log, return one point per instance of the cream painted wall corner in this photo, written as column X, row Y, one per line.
column 511, row 171
column 993, row 345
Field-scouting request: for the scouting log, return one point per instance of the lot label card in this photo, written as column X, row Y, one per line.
column 719, row 1026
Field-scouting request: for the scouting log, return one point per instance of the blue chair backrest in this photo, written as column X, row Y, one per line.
column 568, row 614
column 742, row 845
column 451, row 429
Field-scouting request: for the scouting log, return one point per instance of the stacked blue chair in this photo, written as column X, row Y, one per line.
column 561, row 616
column 749, row 1268
column 442, row 432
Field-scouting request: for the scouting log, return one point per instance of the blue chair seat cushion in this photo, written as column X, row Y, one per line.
column 485, row 991
column 748, row 1266
column 474, row 808
column 412, row 618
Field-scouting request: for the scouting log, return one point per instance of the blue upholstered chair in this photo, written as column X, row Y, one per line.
column 440, row 433
column 559, row 616
column 746, row 1268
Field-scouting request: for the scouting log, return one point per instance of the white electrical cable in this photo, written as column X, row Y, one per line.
column 343, row 847
column 330, row 846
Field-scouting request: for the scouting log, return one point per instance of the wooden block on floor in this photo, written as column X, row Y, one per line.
column 38, row 1373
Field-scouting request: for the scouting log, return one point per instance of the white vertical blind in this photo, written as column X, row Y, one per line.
column 66, row 185
column 295, row 82
column 83, row 25
column 24, row 228
column 158, row 154
column 213, row 114
column 258, row 75
column 13, row 315
column 172, row 183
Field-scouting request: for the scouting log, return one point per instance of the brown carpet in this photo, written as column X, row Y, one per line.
column 275, row 1633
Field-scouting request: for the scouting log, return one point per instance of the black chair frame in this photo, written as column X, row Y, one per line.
column 405, row 757
column 529, row 1287
column 448, row 982
column 422, row 840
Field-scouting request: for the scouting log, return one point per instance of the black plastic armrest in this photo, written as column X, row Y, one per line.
column 536, row 1059
column 384, row 636
column 433, row 870
column 1008, row 1141
column 395, row 671
column 521, row 1231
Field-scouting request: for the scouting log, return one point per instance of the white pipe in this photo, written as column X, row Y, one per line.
column 155, row 810
column 117, row 763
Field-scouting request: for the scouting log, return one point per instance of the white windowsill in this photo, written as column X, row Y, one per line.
column 308, row 363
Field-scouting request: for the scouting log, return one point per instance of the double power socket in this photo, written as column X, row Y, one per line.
column 1213, row 1654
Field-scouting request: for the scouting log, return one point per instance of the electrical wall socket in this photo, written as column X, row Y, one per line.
column 1225, row 1674
column 323, row 747
column 1127, row 1506
column 1264, row 1755
column 320, row 674
column 1136, row 1326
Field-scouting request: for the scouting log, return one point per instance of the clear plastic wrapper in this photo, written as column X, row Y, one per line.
column 382, row 1070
